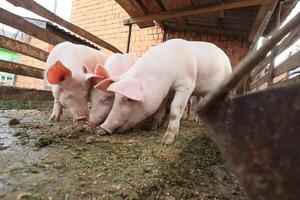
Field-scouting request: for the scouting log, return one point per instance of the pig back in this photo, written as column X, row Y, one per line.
column 213, row 65
column 75, row 56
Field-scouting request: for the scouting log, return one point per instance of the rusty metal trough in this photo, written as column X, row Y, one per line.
column 259, row 136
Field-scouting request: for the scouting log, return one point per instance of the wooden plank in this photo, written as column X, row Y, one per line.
column 21, row 69
column 210, row 30
column 9, row 92
column 23, row 48
column 19, row 23
column 188, row 12
column 40, row 10
column 271, row 68
column 289, row 64
column 245, row 66
column 293, row 80
column 288, row 41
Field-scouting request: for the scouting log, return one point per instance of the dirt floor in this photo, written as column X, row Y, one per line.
column 44, row 160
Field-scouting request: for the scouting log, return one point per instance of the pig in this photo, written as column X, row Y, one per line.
column 66, row 71
column 101, row 101
column 186, row 68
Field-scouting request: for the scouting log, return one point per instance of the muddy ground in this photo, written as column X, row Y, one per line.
column 44, row 160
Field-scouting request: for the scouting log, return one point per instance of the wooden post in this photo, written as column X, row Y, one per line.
column 129, row 37
column 165, row 35
column 271, row 68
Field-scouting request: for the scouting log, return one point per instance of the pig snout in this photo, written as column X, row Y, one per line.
column 106, row 128
column 80, row 118
column 93, row 121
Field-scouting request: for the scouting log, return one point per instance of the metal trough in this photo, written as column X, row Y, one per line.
column 259, row 136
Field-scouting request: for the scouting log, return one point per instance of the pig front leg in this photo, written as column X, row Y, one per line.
column 57, row 111
column 177, row 108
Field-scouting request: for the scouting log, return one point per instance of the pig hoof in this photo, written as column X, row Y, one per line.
column 156, row 125
column 54, row 118
column 194, row 118
column 168, row 138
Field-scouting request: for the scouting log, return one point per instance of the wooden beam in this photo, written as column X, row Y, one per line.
column 245, row 66
column 23, row 48
column 210, row 30
column 151, row 7
column 262, row 19
column 9, row 92
column 40, row 10
column 173, row 5
column 20, row 23
column 21, row 69
column 129, row 7
column 219, row 6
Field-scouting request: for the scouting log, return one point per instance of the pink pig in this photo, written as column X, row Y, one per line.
column 102, row 101
column 178, row 66
column 66, row 71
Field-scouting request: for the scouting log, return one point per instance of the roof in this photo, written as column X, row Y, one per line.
column 230, row 17
column 61, row 32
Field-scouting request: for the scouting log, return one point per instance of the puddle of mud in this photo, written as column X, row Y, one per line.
column 43, row 160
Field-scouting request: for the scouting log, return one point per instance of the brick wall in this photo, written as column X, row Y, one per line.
column 104, row 18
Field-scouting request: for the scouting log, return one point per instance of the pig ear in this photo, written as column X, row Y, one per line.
column 131, row 89
column 103, row 85
column 94, row 79
column 100, row 74
column 57, row 73
column 101, row 71
column 85, row 69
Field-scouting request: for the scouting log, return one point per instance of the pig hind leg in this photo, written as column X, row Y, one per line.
column 160, row 114
column 177, row 108
column 194, row 116
column 57, row 111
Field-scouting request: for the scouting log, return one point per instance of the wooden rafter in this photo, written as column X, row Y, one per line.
column 130, row 7
column 171, row 5
column 210, row 30
column 40, row 10
column 215, row 7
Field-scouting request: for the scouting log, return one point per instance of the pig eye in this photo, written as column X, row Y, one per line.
column 127, row 100
column 104, row 100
